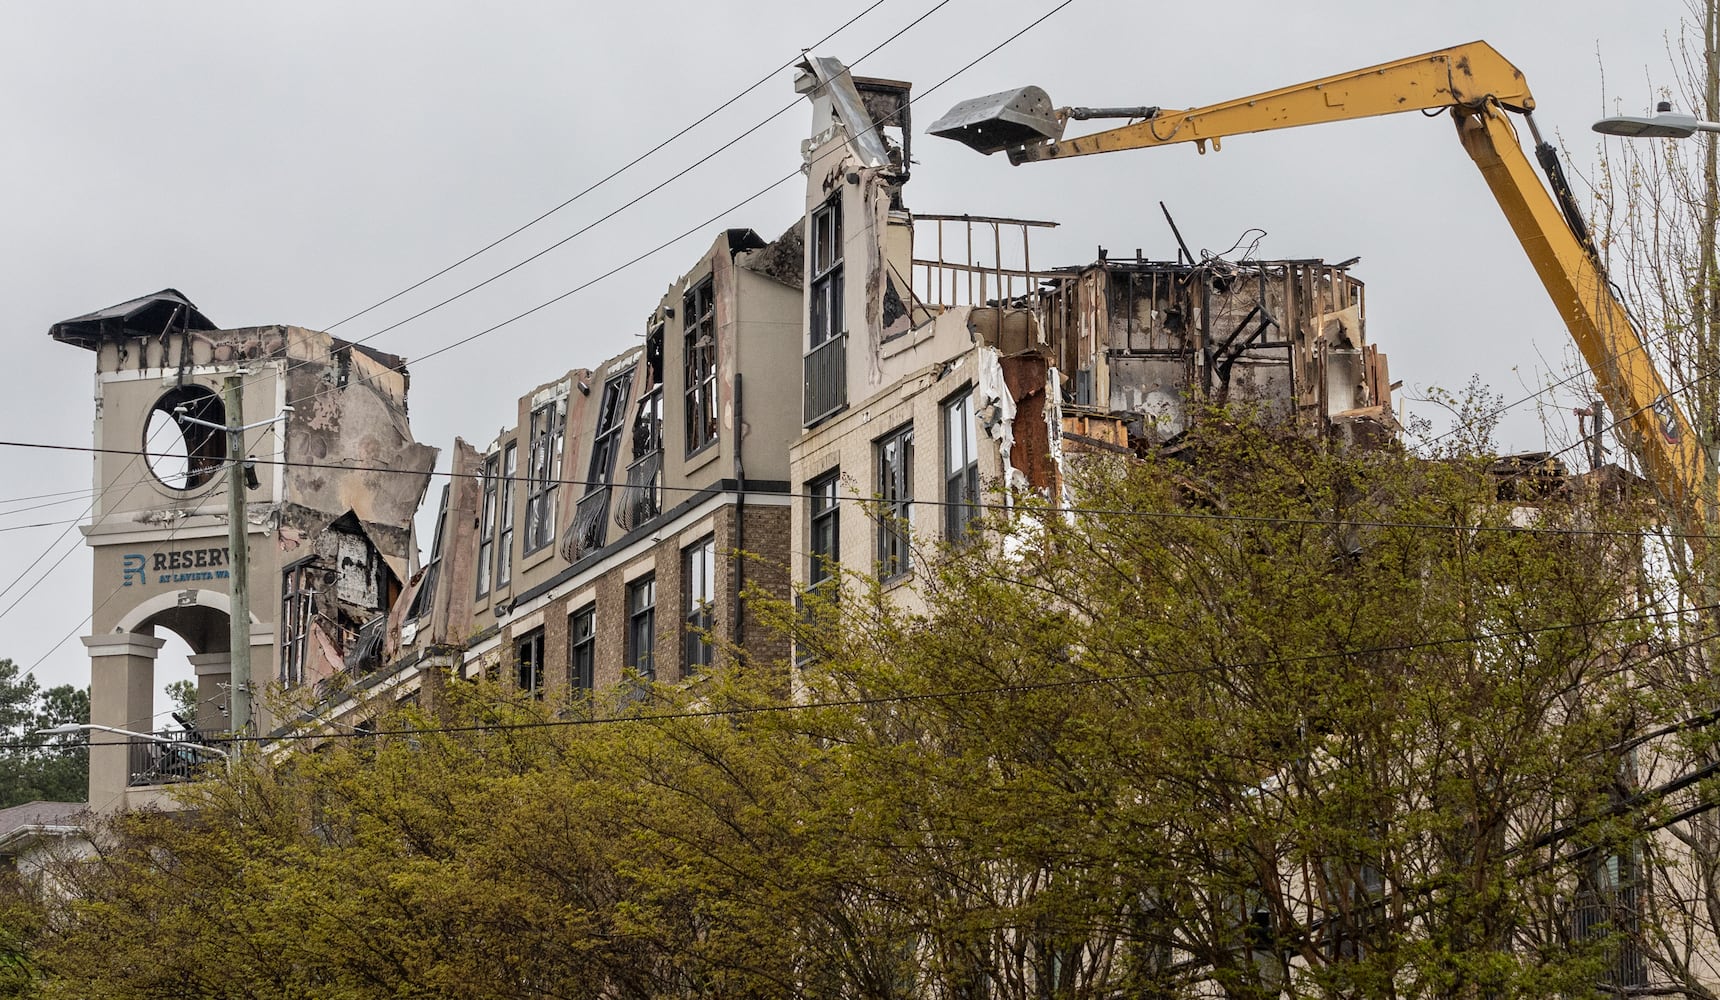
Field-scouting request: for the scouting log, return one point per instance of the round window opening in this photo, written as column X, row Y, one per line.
column 185, row 456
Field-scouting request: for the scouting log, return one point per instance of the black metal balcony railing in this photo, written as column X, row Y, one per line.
column 153, row 763
column 640, row 500
column 826, row 371
column 1613, row 915
column 590, row 525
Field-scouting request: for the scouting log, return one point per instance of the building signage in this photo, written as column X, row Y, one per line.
column 175, row 566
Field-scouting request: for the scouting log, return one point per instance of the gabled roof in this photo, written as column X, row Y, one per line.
column 23, row 823
column 150, row 315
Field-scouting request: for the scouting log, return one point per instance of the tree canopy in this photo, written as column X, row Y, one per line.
column 29, row 770
column 1264, row 716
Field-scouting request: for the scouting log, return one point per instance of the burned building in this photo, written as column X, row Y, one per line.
column 333, row 483
column 783, row 393
column 946, row 361
column 840, row 395
column 593, row 539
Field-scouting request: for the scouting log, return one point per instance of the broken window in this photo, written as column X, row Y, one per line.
column 699, row 361
column 505, row 549
column 606, row 441
column 826, row 284
column 297, row 595
column 895, row 502
column 642, row 625
column 639, row 498
column 182, row 455
column 528, row 663
column 961, row 468
column 424, row 598
column 543, row 470
column 487, row 524
column 699, row 589
column 825, row 525
column 825, row 366
column 591, row 516
column 582, row 648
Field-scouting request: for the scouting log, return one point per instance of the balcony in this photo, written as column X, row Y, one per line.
column 152, row 763
column 826, row 370
column 590, row 525
column 640, row 498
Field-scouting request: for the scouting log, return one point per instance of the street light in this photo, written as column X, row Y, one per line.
column 1666, row 124
column 69, row 728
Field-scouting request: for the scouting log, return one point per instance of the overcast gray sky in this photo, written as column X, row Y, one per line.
column 294, row 163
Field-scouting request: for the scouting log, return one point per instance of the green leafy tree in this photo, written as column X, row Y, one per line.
column 1658, row 225
column 1268, row 718
column 183, row 694
column 32, row 768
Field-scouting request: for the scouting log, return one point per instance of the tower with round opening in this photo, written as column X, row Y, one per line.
column 183, row 455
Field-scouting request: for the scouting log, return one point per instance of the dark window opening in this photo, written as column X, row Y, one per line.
column 699, row 589
column 424, row 598
column 298, row 595
column 699, row 362
column 895, row 502
column 826, row 283
column 824, row 521
column 505, row 544
column 591, row 516
column 642, row 626
column 528, row 663
column 487, row 524
column 543, row 471
column 1608, row 908
column 582, row 648
column 961, row 469
column 640, row 499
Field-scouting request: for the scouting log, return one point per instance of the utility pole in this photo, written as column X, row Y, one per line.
column 238, row 549
column 238, row 562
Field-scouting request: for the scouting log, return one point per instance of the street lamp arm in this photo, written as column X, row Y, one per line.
column 69, row 728
column 186, row 418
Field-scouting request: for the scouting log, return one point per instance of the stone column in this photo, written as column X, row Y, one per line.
column 214, row 671
column 122, row 695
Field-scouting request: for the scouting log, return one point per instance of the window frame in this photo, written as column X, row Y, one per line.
column 698, row 572
column 823, row 511
column 298, row 605
column 961, row 482
column 582, row 676
column 530, row 645
column 505, row 531
column 547, row 428
column 895, row 482
column 699, row 365
column 606, row 438
column 825, row 320
column 642, row 626
column 487, row 522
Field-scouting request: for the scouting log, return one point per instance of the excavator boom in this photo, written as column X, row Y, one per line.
column 1477, row 86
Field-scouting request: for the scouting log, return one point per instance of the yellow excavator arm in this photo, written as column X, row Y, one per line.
column 1477, row 85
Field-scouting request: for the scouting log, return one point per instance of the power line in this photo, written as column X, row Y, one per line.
column 695, row 229
column 96, row 498
column 114, row 592
column 929, row 502
column 629, row 204
column 682, row 173
column 919, row 696
column 662, row 246
column 618, row 171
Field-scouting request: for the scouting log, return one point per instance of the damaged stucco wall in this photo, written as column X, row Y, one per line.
column 334, row 479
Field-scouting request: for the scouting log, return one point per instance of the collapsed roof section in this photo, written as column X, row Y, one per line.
column 164, row 312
